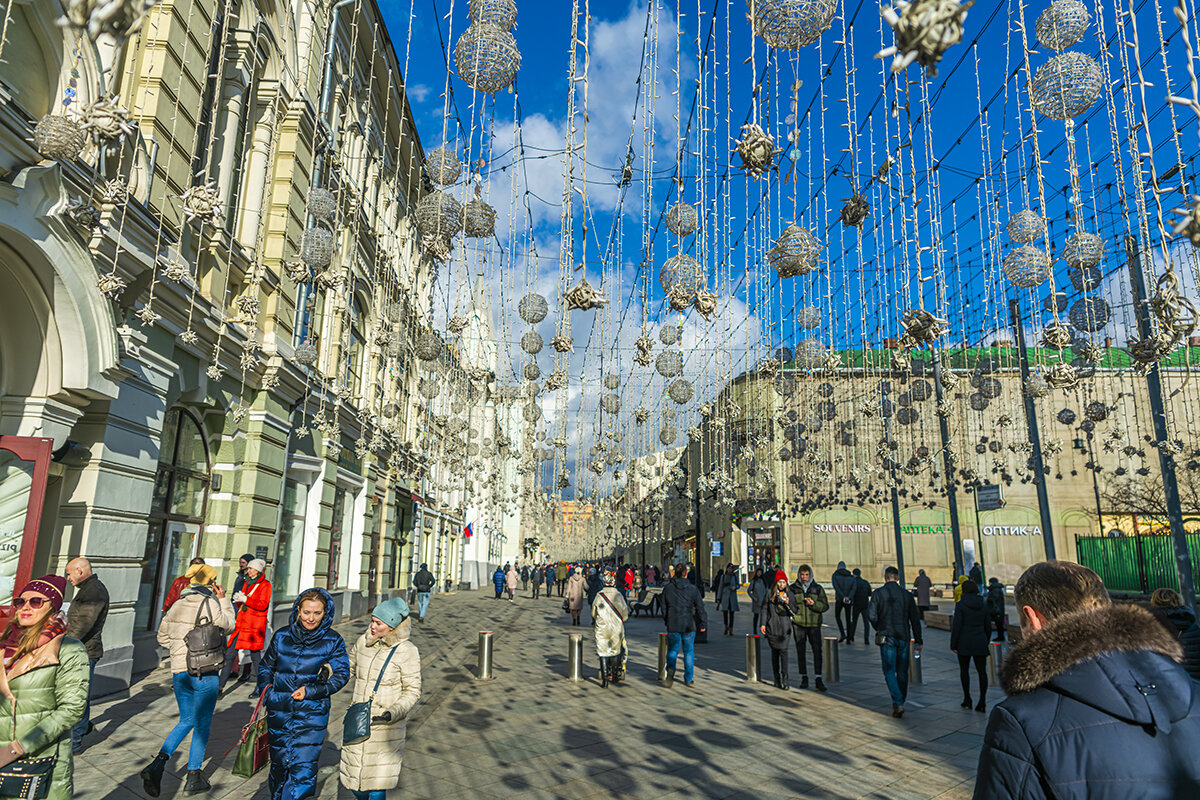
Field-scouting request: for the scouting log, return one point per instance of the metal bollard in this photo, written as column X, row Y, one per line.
column 575, row 657
column 752, row 645
column 833, row 664
column 662, row 657
column 996, row 653
column 914, row 663
column 484, row 670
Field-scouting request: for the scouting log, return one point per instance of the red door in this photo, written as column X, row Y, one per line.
column 24, row 467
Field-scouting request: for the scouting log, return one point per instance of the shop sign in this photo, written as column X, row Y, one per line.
column 831, row 528
column 1012, row 530
column 763, row 536
column 923, row 529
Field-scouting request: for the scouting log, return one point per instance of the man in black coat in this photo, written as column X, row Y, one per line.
column 423, row 582
column 858, row 607
column 683, row 611
column 1098, row 707
column 843, row 596
column 85, row 622
column 894, row 614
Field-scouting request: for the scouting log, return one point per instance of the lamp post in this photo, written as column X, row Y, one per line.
column 612, row 540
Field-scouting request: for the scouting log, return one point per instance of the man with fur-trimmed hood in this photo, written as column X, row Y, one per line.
column 1098, row 706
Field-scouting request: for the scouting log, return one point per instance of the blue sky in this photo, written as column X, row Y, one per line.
column 968, row 163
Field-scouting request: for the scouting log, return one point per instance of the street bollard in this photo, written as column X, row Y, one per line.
column 752, row 644
column 914, row 662
column 996, row 653
column 833, row 665
column 575, row 657
column 662, row 657
column 484, row 671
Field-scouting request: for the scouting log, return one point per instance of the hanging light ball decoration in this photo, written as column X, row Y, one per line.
column 479, row 219
column 1066, row 416
column 429, row 388
column 487, row 57
column 788, row 24
column 1036, row 386
column 680, row 390
column 502, row 13
column 1089, row 314
column 443, row 166
column 316, row 248
column 533, row 308
column 428, row 346
column 611, row 403
column 438, row 215
column 532, row 371
column 785, row 385
column 810, row 354
column 808, row 317
column 532, row 412
column 795, row 252
column 612, row 381
column 1055, row 303
column 669, row 363
column 306, row 354
column 322, row 204
column 1026, row 226
column 681, row 277
column 59, row 137
column 1083, row 250
column 669, row 334
column 757, row 150
column 978, row 401
column 1084, row 278
column 1027, row 266
column 532, row 343
column 682, row 219
column 925, row 30
column 1066, row 85
column 921, row 390
column 988, row 387
column 667, row 435
column 1096, row 411
column 1062, row 24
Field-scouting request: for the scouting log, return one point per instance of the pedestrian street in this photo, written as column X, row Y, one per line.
column 529, row 732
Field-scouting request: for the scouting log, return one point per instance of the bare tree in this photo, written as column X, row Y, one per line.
column 1144, row 494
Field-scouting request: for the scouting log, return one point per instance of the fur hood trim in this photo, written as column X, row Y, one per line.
column 1075, row 638
column 395, row 636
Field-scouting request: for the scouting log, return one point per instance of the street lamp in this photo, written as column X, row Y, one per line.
column 612, row 540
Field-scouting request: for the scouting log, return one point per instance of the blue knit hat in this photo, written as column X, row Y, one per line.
column 391, row 612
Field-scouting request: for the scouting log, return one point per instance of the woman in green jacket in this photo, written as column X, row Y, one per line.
column 45, row 679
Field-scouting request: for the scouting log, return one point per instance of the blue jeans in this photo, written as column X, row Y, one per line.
column 81, row 727
column 422, row 604
column 894, row 654
column 374, row 794
column 196, row 697
column 688, row 640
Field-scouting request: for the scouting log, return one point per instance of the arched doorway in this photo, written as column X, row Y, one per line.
column 176, row 513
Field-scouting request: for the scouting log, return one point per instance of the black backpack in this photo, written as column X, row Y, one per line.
column 205, row 644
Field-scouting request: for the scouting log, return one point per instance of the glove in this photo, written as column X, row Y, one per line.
column 239, row 597
column 384, row 717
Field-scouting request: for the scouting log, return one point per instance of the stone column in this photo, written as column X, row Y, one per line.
column 255, row 199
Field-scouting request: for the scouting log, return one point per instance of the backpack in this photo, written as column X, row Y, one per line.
column 205, row 644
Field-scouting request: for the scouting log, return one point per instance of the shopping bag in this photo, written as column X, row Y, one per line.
column 254, row 747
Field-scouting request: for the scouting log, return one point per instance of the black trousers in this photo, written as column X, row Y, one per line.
column 842, row 610
column 779, row 663
column 811, row 637
column 998, row 626
column 561, row 585
column 728, row 618
column 855, row 613
column 964, row 674
column 754, row 629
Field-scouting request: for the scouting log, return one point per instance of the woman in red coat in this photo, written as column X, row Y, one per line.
column 251, row 632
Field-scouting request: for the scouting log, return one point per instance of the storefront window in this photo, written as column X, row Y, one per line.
column 289, row 549
column 335, row 538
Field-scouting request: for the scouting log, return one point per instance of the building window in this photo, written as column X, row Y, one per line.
column 289, row 549
column 355, row 348
column 337, row 526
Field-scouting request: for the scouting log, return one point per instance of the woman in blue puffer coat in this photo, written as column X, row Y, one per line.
column 305, row 664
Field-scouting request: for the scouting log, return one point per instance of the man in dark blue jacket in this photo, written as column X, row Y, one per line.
column 683, row 611
column 1098, row 708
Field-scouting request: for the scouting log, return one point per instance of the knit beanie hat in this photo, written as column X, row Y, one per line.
column 52, row 587
column 391, row 612
column 257, row 564
column 780, row 575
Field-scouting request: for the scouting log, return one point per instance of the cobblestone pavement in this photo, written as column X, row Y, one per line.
column 531, row 733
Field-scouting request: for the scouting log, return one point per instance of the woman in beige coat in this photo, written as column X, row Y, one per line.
column 372, row 767
column 576, row 589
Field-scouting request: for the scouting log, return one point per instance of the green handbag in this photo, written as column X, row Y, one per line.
column 254, row 747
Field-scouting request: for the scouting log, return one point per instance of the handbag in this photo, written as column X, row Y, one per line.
column 566, row 605
column 26, row 777
column 356, row 727
column 254, row 751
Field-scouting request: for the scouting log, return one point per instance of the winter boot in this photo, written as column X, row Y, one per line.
column 152, row 775
column 603, row 672
column 670, row 676
column 196, row 782
column 821, row 685
column 778, row 681
column 784, row 681
column 803, row 681
column 967, row 701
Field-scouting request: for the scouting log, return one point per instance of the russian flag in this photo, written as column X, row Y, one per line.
column 467, row 532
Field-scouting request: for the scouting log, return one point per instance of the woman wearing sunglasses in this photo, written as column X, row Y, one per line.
column 44, row 682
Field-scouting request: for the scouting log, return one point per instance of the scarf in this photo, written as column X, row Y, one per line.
column 56, row 625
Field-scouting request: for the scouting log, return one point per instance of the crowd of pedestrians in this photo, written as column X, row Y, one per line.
column 1126, row 674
